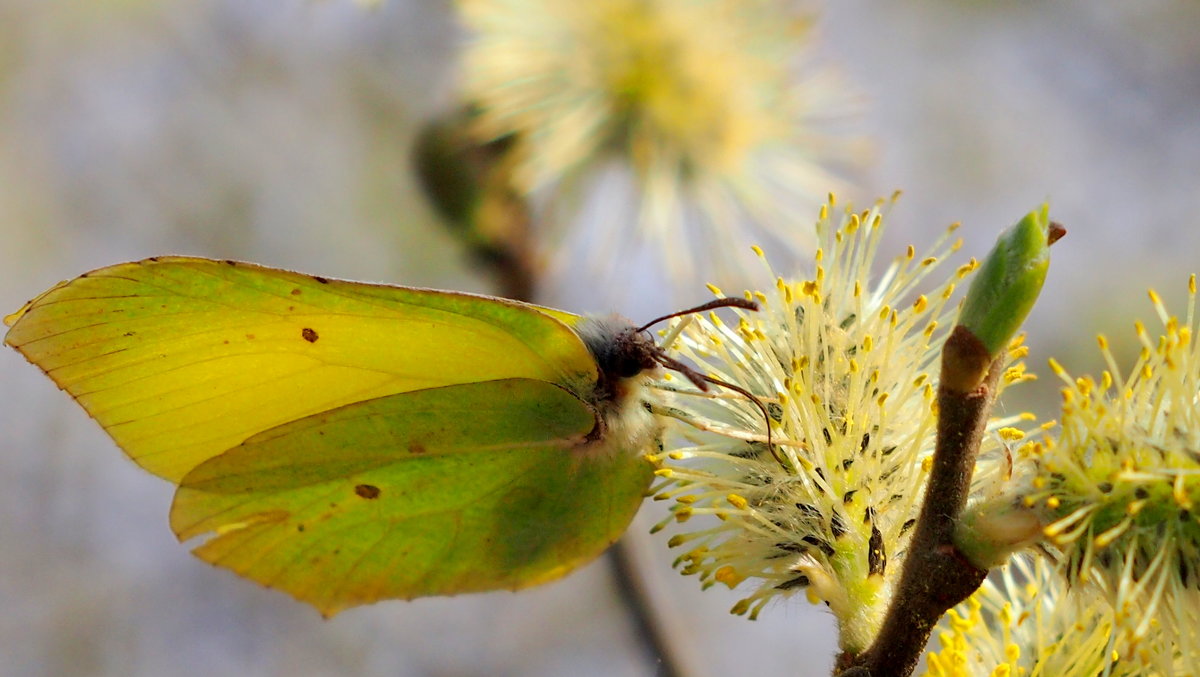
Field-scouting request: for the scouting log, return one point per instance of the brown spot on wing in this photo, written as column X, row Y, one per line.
column 416, row 448
column 320, row 279
column 296, row 292
column 309, row 334
column 367, row 491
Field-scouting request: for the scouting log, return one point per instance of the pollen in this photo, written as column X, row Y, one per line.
column 729, row 576
column 1011, row 434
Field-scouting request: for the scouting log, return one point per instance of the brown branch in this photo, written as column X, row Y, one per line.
column 470, row 185
column 662, row 639
column 936, row 576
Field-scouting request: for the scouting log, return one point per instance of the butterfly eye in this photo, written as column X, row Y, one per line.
column 629, row 369
column 635, row 362
column 636, row 353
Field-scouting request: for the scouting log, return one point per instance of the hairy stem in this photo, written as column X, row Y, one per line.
column 936, row 576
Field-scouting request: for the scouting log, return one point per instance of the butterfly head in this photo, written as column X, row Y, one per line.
column 623, row 353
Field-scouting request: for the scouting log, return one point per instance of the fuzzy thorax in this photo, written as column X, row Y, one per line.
column 621, row 398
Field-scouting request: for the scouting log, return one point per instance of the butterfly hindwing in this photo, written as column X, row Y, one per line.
column 440, row 491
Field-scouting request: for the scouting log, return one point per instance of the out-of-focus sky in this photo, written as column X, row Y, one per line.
column 277, row 131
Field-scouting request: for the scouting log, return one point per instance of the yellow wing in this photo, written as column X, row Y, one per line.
column 180, row 359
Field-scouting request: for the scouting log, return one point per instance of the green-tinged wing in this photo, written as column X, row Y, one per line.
column 442, row 491
column 180, row 359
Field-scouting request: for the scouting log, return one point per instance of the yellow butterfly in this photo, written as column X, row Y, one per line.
column 349, row 442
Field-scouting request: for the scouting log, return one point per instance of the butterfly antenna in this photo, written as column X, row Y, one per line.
column 758, row 403
column 701, row 381
column 715, row 303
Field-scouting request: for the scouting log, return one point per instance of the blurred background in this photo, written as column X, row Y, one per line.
column 280, row 132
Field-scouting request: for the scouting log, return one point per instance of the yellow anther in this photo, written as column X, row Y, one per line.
column 1179, row 491
column 1014, row 374
column 729, row 576
column 1011, row 434
column 1105, row 539
column 1056, row 367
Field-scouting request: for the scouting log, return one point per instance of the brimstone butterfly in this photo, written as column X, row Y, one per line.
column 349, row 442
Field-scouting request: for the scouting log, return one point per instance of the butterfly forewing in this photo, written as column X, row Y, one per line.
column 182, row 358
